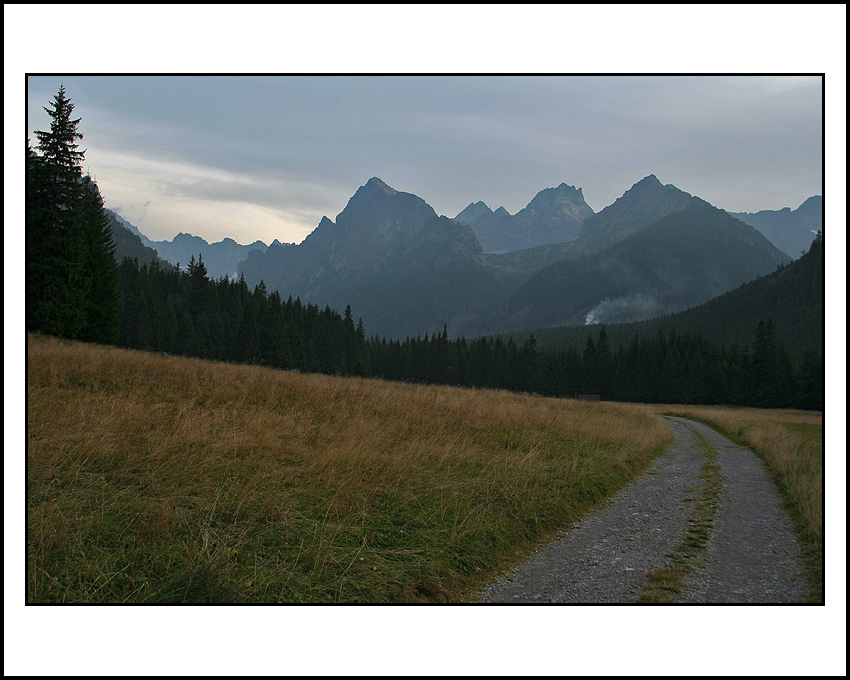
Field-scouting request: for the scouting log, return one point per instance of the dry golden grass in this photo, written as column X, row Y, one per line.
column 166, row 479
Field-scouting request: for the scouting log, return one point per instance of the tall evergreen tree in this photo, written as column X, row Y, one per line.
column 71, row 274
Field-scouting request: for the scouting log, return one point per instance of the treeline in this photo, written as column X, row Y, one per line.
column 187, row 313
column 667, row 368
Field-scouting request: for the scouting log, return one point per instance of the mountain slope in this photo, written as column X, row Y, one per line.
column 645, row 203
column 402, row 268
column 128, row 243
column 679, row 261
column 792, row 296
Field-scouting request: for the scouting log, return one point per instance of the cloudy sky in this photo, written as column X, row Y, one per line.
column 264, row 157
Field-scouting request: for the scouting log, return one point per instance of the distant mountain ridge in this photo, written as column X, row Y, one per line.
column 792, row 231
column 554, row 215
column 128, row 243
column 679, row 261
column 221, row 258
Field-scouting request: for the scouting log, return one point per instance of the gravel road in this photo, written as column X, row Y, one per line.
column 751, row 554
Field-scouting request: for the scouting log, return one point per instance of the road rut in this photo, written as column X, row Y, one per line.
column 751, row 554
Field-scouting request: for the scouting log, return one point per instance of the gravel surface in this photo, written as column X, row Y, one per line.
column 751, row 555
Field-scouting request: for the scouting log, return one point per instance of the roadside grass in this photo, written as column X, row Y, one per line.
column 157, row 479
column 790, row 443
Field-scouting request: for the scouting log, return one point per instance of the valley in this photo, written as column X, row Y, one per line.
column 407, row 271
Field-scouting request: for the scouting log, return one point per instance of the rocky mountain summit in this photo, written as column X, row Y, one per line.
column 390, row 257
column 646, row 202
column 554, row 215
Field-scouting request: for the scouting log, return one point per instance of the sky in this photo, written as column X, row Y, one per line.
column 265, row 157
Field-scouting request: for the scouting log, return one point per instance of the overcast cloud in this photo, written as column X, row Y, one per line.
column 264, row 157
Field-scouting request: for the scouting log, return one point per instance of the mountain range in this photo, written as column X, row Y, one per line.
column 220, row 259
column 679, row 261
column 789, row 230
column 553, row 216
column 407, row 271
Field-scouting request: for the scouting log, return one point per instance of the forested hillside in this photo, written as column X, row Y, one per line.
column 128, row 244
column 679, row 261
column 664, row 368
column 793, row 296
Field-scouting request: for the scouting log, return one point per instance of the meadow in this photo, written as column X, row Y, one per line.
column 161, row 479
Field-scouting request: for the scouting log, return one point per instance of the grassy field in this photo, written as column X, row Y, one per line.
column 791, row 444
column 166, row 479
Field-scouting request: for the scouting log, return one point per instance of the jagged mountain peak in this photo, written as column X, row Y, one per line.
column 646, row 202
column 377, row 206
column 562, row 193
column 186, row 237
column 649, row 180
column 554, row 215
column 471, row 213
column 648, row 186
column 378, row 183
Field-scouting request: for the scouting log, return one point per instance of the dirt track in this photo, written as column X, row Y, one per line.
column 751, row 554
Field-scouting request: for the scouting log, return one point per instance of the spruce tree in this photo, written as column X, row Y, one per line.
column 71, row 279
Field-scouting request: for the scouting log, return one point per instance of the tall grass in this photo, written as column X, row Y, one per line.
column 791, row 444
column 166, row 479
